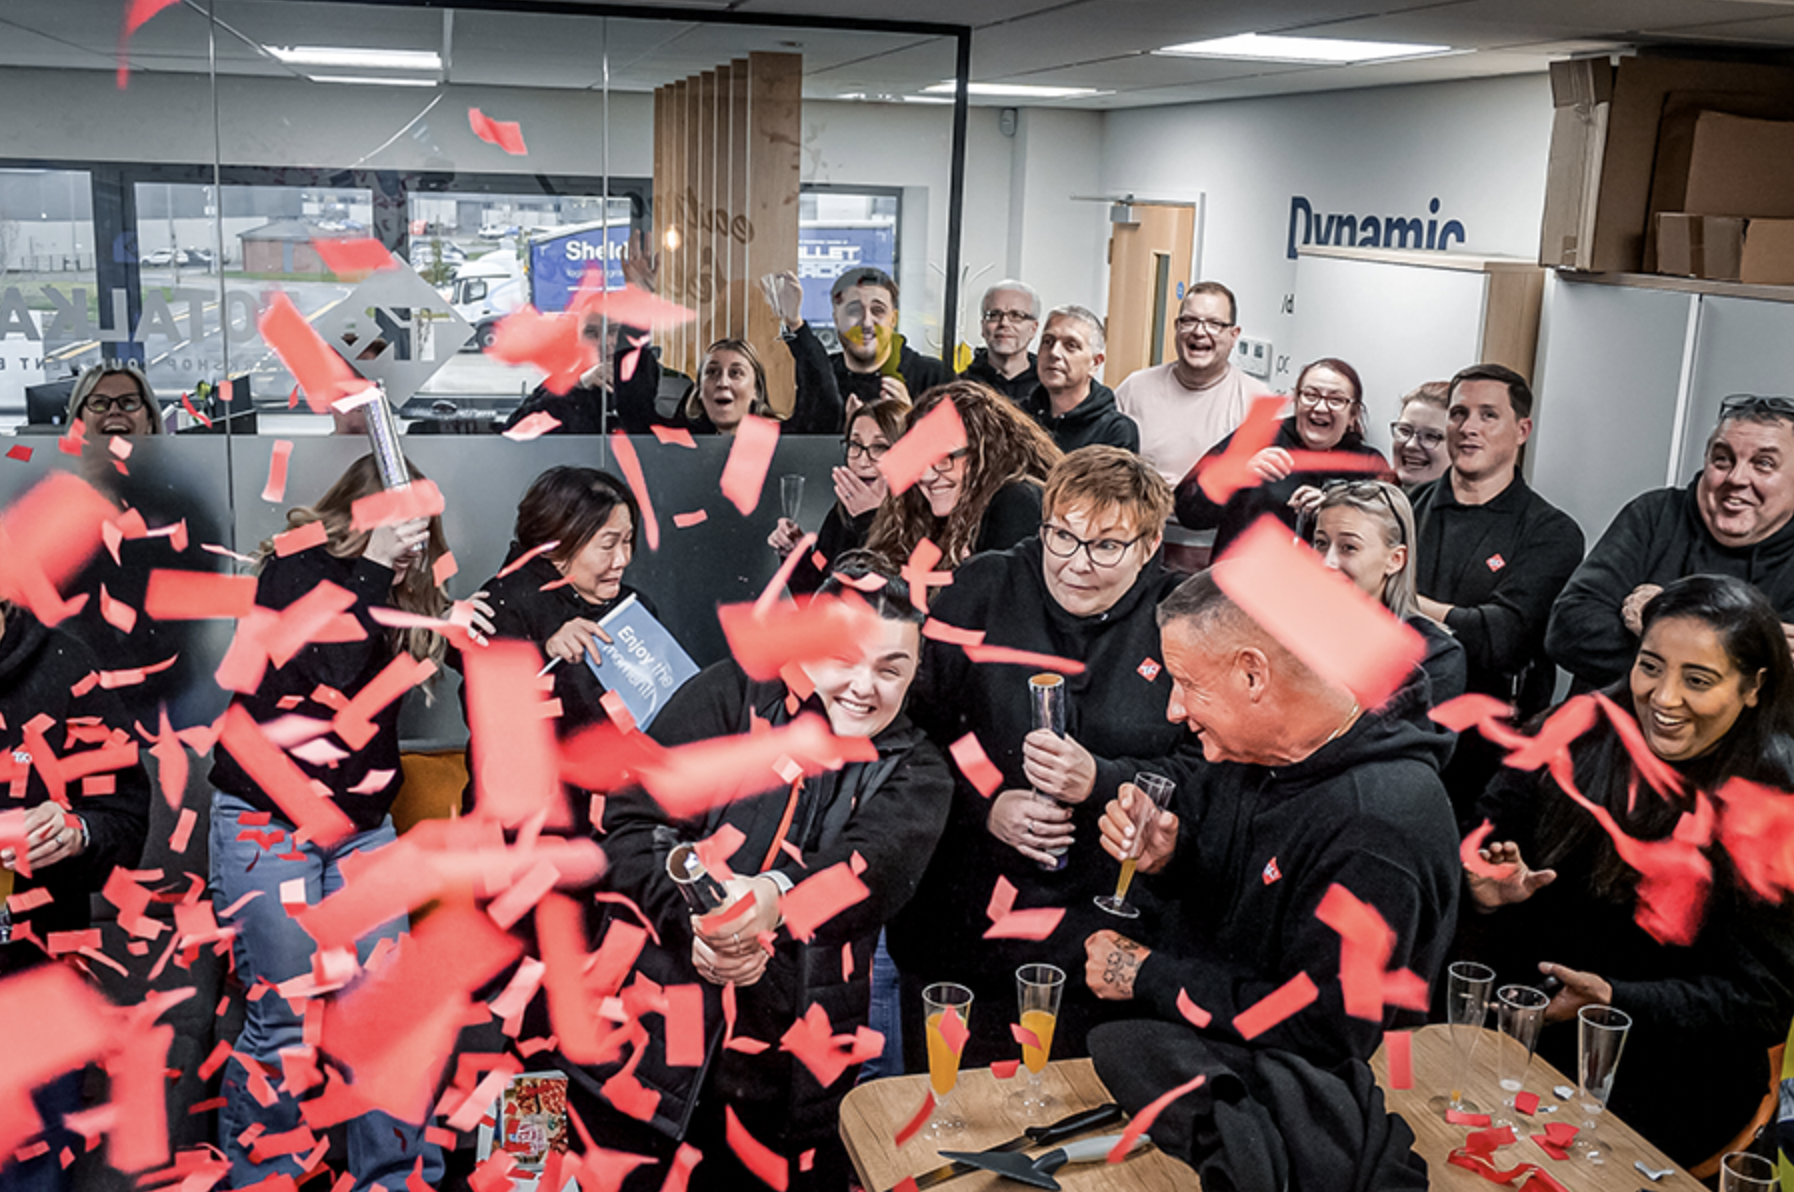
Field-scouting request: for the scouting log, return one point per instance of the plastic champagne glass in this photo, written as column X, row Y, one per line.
column 1741, row 1171
column 1466, row 1009
column 1046, row 699
column 791, row 496
column 1152, row 795
column 1600, row 1038
column 1520, row 1012
column 1037, row 990
column 938, row 1001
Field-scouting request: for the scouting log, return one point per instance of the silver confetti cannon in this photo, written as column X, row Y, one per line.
column 383, row 437
column 701, row 892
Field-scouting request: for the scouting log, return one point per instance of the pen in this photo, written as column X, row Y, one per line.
column 552, row 663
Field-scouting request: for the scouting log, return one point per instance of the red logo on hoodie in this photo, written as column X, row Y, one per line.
column 1495, row 562
column 1272, row 873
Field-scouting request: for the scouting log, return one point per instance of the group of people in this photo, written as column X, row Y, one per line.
column 1073, row 524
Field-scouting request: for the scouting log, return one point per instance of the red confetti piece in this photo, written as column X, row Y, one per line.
column 1142, row 1121
column 1366, row 944
column 506, row 134
column 976, row 765
column 689, row 780
column 813, row 1042
column 631, row 467
column 918, row 575
column 744, row 475
column 1338, row 631
column 421, row 499
column 1292, row 996
column 1004, row 1069
column 444, row 568
column 687, row 520
column 953, row 635
column 1023, row 1035
column 1221, row 476
column 914, row 1126
column 198, row 595
column 323, row 374
column 354, row 257
column 1526, row 1103
column 1458, row 1117
column 1662, row 776
column 550, row 342
column 677, row 436
column 1196, row 1015
column 116, row 612
column 520, row 779
column 304, row 537
column 276, row 488
column 771, row 1167
column 935, row 436
column 525, row 557
column 820, row 897
column 767, row 639
column 46, row 537
column 20, row 452
column 1573, row 717
column 1757, row 828
column 1470, row 854
column 1674, row 875
column 1027, row 658
column 534, row 426
column 629, row 306
column 1490, row 1141
column 1399, row 1050
column 276, row 775
column 355, row 723
column 954, row 1031
column 685, row 1026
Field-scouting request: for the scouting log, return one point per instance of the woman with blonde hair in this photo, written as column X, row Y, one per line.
column 985, row 496
column 389, row 566
column 114, row 398
column 731, row 385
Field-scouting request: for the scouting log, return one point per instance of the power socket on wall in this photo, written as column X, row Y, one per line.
column 1254, row 357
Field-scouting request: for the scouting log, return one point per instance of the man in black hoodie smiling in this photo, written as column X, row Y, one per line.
column 1070, row 403
column 1305, row 792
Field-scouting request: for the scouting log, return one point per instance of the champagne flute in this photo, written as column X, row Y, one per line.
column 938, row 1001
column 1520, row 1012
column 1741, row 1171
column 1152, row 794
column 1037, row 990
column 791, row 496
column 1046, row 697
column 1466, row 1008
column 1600, row 1038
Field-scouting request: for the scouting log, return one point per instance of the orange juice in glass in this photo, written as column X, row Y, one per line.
column 940, row 1002
column 1149, row 795
column 1037, row 990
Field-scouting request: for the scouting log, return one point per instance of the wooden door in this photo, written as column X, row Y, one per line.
column 1149, row 266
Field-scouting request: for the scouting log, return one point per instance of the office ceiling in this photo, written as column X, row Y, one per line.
column 1105, row 45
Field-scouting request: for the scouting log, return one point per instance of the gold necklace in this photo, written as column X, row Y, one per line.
column 1344, row 725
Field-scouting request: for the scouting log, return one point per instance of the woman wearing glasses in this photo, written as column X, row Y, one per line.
column 985, row 496
column 1327, row 420
column 1364, row 529
column 115, row 398
column 1083, row 588
column 859, row 489
column 1419, row 434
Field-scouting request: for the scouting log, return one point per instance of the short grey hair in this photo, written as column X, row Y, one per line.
column 1019, row 287
column 1086, row 316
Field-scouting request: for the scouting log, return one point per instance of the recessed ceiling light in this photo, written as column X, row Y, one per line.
column 1271, row 47
column 1010, row 90
column 372, row 80
column 354, row 56
column 926, row 99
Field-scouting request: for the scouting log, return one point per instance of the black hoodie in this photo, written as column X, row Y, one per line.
column 1016, row 388
column 1196, row 512
column 39, row 667
column 1656, row 539
column 824, row 382
column 1093, row 421
column 1115, row 709
column 1260, row 846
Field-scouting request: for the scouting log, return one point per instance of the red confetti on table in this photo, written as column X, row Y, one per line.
column 677, row 436
column 976, row 765
column 301, row 538
column 631, row 467
column 1197, row 1016
column 936, row 435
column 506, row 134
column 1338, row 631
column 1398, row 1048
column 1458, row 1117
column 321, row 372
column 1292, row 996
column 534, row 426
column 1004, row 1069
column 771, row 1167
column 1526, row 1103
column 1142, row 1121
column 19, row 452
column 744, row 475
column 1490, row 1141
column 359, row 256
column 914, row 1126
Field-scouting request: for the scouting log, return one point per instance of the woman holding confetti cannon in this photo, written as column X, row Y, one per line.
column 348, row 571
column 1657, row 885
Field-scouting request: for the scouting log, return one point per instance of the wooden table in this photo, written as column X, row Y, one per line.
column 1437, row 1070
column 874, row 1112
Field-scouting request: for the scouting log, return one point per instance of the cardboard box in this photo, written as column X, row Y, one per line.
column 1726, row 248
column 1741, row 166
column 1621, row 148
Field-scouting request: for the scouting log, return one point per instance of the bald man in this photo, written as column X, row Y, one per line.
column 1305, row 792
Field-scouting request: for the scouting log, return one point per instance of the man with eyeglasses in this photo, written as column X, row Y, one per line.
column 1070, row 403
column 114, row 398
column 1491, row 556
column 874, row 361
column 1011, row 315
column 1736, row 518
column 1186, row 405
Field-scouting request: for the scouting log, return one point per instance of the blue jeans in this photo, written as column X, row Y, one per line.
column 54, row 1099
column 886, row 1017
column 271, row 947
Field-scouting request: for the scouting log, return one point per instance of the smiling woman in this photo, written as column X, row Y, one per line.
column 1707, row 974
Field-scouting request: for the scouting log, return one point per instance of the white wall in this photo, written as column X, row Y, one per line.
column 1479, row 147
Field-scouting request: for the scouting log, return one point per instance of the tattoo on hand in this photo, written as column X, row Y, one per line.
column 1121, row 964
